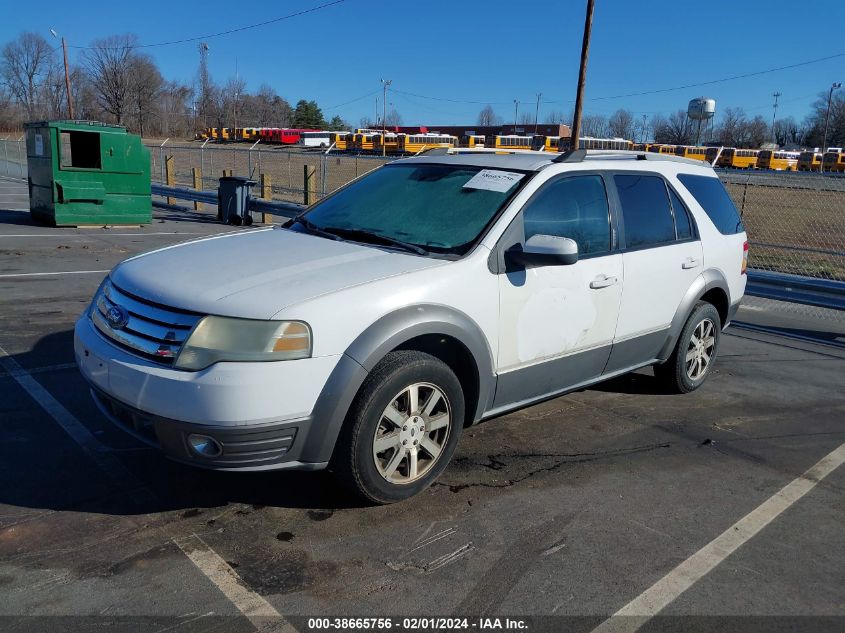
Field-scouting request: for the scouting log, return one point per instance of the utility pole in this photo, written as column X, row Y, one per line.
column 774, row 117
column 643, row 137
column 582, row 76
column 537, row 111
column 67, row 75
column 515, row 113
column 833, row 87
column 386, row 83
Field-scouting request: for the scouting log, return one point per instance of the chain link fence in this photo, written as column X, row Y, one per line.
column 285, row 167
column 795, row 220
column 13, row 157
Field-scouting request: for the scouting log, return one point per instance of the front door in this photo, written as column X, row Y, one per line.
column 557, row 322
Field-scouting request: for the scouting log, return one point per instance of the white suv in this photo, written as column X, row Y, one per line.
column 426, row 296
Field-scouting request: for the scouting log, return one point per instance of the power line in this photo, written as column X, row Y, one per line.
column 643, row 93
column 340, row 105
column 724, row 79
column 229, row 32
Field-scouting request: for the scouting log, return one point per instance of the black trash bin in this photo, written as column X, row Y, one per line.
column 233, row 200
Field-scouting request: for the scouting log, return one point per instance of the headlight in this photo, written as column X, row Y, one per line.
column 217, row 339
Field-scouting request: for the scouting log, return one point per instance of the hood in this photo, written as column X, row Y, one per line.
column 255, row 274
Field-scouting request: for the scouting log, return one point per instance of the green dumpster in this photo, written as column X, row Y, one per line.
column 82, row 172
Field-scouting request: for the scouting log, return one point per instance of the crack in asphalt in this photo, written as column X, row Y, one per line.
column 494, row 462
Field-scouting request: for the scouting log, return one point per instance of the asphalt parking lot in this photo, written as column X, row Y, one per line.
column 727, row 502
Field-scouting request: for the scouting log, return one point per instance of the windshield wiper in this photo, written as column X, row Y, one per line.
column 368, row 236
column 313, row 228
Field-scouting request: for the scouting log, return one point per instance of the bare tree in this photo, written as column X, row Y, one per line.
column 109, row 63
column 595, row 125
column 674, row 130
column 145, row 88
column 787, row 132
column 836, row 121
column 556, row 117
column 487, row 117
column 621, row 124
column 393, row 118
column 25, row 64
column 730, row 130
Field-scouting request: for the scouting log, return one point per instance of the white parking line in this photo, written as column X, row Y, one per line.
column 78, row 432
column 63, row 272
column 654, row 599
column 258, row 611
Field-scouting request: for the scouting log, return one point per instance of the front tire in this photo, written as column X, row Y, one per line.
column 402, row 428
column 692, row 359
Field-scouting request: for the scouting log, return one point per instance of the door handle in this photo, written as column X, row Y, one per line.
column 602, row 281
column 690, row 262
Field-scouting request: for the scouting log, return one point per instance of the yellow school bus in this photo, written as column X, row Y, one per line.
column 415, row 143
column 833, row 161
column 340, row 140
column 713, row 154
column 641, row 147
column 779, row 160
column 668, row 149
column 475, row 140
column 511, row 141
column 810, row 161
column 695, row 153
column 739, row 158
column 552, row 144
column 390, row 144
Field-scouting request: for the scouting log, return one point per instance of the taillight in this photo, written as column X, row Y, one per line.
column 744, row 258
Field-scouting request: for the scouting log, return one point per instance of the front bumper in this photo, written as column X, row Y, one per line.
column 259, row 413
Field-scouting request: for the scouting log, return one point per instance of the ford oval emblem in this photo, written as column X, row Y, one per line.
column 117, row 317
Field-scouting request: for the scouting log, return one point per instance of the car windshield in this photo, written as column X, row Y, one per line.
column 436, row 207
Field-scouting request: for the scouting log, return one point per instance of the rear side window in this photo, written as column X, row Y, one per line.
column 645, row 210
column 710, row 193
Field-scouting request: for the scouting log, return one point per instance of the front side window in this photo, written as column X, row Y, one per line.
column 710, row 193
column 574, row 207
column 441, row 208
column 645, row 210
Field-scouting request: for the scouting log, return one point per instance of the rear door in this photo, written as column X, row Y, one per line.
column 662, row 257
column 557, row 322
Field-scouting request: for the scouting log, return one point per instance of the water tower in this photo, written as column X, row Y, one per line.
column 701, row 109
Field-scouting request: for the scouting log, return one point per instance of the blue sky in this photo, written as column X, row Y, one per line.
column 443, row 55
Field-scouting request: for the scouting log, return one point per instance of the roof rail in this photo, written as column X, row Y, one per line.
column 494, row 150
column 580, row 155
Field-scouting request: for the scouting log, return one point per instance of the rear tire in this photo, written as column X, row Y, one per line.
column 695, row 352
column 401, row 429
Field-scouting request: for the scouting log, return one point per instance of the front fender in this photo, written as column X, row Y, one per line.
column 372, row 345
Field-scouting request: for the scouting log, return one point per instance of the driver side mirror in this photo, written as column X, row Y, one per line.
column 545, row 250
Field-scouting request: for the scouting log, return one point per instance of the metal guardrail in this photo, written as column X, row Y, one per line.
column 821, row 293
column 259, row 205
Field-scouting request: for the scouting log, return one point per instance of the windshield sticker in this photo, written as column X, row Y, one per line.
column 493, row 180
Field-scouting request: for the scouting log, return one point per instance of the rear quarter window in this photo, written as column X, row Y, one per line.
column 710, row 193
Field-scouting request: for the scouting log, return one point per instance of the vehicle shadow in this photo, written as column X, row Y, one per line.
column 16, row 218
column 63, row 454
column 643, row 382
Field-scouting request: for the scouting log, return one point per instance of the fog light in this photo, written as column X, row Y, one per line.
column 205, row 446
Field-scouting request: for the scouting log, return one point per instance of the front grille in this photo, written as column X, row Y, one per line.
column 151, row 331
